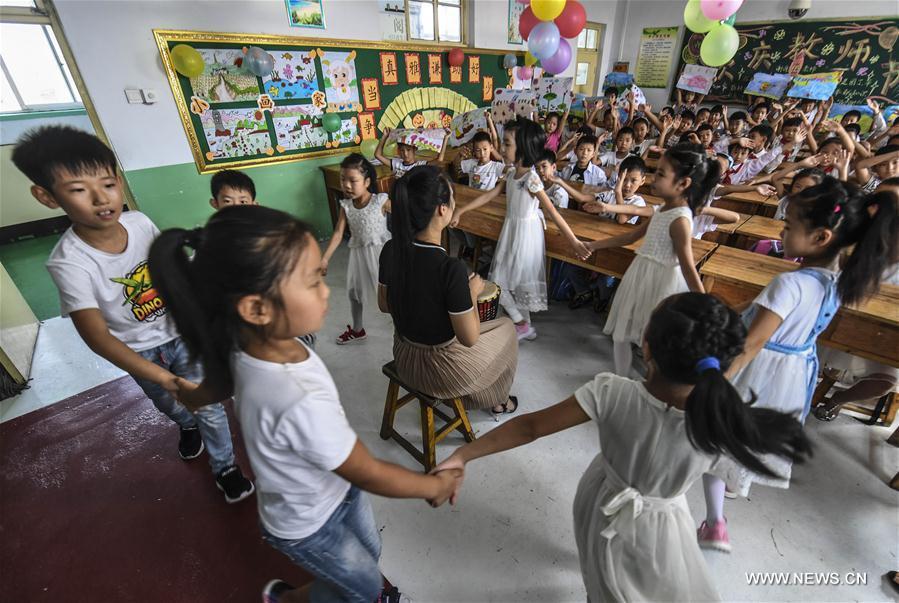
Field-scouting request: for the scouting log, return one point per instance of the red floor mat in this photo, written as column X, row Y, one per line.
column 96, row 505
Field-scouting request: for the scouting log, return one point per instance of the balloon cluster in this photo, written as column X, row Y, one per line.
column 545, row 24
column 715, row 18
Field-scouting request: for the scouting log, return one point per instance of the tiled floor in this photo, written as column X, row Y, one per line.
column 510, row 537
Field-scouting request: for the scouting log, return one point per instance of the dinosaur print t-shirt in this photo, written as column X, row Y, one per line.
column 117, row 284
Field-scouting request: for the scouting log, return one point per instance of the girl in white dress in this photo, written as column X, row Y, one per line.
column 364, row 209
column 664, row 264
column 632, row 525
column 518, row 262
column 779, row 366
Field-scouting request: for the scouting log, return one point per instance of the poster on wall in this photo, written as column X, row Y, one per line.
column 305, row 13
column 293, row 75
column 515, row 10
column 392, row 18
column 339, row 71
column 223, row 79
column 654, row 57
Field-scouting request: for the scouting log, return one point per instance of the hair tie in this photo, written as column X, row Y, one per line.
column 836, row 208
column 194, row 238
column 709, row 362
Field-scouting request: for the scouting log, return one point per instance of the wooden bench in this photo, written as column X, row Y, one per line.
column 871, row 330
column 429, row 406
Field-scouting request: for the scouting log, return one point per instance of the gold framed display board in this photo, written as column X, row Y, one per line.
column 234, row 119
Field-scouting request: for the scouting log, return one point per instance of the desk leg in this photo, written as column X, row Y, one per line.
column 333, row 201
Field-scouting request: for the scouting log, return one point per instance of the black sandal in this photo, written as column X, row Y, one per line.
column 826, row 412
column 505, row 407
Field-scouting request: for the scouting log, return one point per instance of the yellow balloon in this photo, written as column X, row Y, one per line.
column 529, row 59
column 547, row 10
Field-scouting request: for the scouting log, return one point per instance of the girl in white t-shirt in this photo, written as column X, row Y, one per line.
column 779, row 365
column 251, row 285
column 632, row 524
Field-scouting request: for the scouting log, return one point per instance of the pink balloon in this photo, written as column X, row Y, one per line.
column 558, row 62
column 572, row 19
column 524, row 1
column 718, row 10
column 525, row 73
column 527, row 22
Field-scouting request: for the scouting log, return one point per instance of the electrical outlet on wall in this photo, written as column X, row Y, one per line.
column 134, row 96
column 149, row 96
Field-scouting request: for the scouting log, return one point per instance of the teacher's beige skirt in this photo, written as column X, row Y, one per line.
column 481, row 375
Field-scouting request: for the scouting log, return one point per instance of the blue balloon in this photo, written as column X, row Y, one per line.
column 258, row 62
column 544, row 40
column 509, row 61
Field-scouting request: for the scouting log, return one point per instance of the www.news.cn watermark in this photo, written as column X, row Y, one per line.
column 806, row 578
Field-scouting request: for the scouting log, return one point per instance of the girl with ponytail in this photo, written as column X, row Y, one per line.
column 779, row 365
column 633, row 528
column 251, row 286
column 364, row 209
column 664, row 264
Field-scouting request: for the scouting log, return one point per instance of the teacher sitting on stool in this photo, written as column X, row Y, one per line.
column 440, row 346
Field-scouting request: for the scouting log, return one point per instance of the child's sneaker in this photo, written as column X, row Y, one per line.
column 714, row 537
column 351, row 336
column 274, row 589
column 235, row 486
column 526, row 331
column 389, row 595
column 728, row 493
column 190, row 444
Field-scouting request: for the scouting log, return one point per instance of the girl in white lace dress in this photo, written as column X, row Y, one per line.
column 664, row 264
column 518, row 263
column 632, row 524
column 364, row 209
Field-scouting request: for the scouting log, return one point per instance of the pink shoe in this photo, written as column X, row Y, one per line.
column 526, row 331
column 715, row 537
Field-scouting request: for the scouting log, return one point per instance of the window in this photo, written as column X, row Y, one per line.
column 34, row 73
column 427, row 17
column 587, row 39
column 581, row 78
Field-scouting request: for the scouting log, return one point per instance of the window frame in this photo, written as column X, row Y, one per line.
column 463, row 24
column 37, row 15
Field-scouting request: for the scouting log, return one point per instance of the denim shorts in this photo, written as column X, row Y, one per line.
column 342, row 555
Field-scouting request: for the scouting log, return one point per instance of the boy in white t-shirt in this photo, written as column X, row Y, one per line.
column 621, row 204
column 546, row 169
column 483, row 172
column 99, row 266
column 610, row 160
column 407, row 155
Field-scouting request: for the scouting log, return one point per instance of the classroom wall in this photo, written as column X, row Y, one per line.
column 660, row 13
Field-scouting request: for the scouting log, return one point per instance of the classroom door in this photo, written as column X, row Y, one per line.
column 588, row 59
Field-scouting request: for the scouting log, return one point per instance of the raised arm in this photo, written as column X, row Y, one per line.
column 379, row 152
column 653, row 119
column 442, row 154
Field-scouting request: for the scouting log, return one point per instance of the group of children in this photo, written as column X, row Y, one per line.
column 243, row 294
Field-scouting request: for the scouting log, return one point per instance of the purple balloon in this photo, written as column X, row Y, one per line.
column 558, row 62
column 544, row 40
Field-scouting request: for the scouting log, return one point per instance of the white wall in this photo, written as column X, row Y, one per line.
column 661, row 13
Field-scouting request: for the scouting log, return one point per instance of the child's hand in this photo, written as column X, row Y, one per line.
column 457, row 215
column 580, row 250
column 874, row 105
column 386, row 132
column 812, row 160
column 766, row 189
column 448, row 483
column 724, row 110
column 843, row 157
column 831, row 125
column 475, row 284
column 185, row 391
column 324, row 267
column 593, row 207
column 385, row 209
column 454, row 462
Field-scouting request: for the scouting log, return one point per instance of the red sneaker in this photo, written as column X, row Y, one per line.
column 351, row 336
column 714, row 537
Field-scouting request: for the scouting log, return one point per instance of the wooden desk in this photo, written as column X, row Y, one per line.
column 487, row 221
column 334, row 191
column 870, row 331
column 750, row 203
column 755, row 229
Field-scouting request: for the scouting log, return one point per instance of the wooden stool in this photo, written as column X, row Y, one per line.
column 429, row 407
column 883, row 413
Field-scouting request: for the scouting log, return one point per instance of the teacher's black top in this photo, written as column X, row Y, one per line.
column 437, row 286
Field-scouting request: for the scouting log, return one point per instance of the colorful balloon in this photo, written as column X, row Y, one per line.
column 694, row 18
column 544, row 40
column 547, row 10
column 510, row 61
column 530, row 60
column 526, row 23
column 331, row 122
column 525, row 73
column 368, row 148
column 390, row 148
column 719, row 46
column 456, row 57
column 258, row 62
column 187, row 61
column 523, row 1
column 572, row 19
column 716, row 10
column 558, row 62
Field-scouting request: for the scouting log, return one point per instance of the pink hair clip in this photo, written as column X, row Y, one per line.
column 836, row 209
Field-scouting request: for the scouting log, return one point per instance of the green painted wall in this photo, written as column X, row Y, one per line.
column 176, row 196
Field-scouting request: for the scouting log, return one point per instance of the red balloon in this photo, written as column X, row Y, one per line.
column 572, row 19
column 456, row 57
column 527, row 22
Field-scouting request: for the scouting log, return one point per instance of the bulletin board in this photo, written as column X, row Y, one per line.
column 866, row 50
column 234, row 119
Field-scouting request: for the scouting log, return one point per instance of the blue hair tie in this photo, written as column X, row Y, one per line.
column 709, row 362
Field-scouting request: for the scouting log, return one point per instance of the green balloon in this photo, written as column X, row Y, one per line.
column 187, row 61
column 694, row 18
column 368, row 147
column 331, row 122
column 390, row 148
column 719, row 46
column 731, row 19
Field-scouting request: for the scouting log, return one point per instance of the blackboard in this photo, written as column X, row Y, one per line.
column 229, row 124
column 864, row 49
